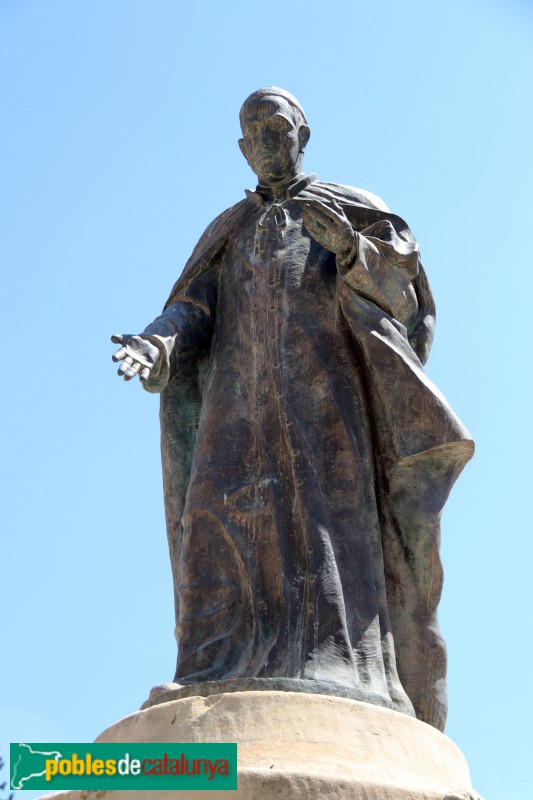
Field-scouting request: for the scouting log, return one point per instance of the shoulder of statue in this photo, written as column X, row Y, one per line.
column 211, row 244
column 364, row 208
column 229, row 217
column 353, row 194
column 222, row 227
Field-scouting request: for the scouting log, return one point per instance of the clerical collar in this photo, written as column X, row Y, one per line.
column 266, row 194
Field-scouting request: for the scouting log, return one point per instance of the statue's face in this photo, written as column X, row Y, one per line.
column 271, row 142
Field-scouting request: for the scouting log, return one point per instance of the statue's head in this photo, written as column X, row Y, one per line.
column 275, row 133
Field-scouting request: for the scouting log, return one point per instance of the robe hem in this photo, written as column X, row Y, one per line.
column 298, row 685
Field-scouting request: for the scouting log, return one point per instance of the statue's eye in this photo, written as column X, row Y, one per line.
column 279, row 124
column 253, row 128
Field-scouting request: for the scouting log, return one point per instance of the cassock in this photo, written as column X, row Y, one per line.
column 306, row 455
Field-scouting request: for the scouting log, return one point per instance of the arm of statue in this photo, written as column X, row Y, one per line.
column 375, row 262
column 174, row 339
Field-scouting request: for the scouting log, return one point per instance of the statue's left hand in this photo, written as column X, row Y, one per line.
column 328, row 225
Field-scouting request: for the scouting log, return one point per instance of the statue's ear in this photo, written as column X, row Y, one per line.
column 303, row 136
column 242, row 147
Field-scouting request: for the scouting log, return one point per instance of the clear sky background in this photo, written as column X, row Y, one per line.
column 117, row 148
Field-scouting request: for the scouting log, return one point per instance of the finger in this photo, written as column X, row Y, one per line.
column 314, row 212
column 126, row 364
column 312, row 218
column 328, row 205
column 119, row 355
column 132, row 371
column 311, row 199
column 326, row 220
column 312, row 222
column 337, row 211
column 318, row 233
column 314, row 228
column 308, row 200
column 145, row 373
column 117, row 338
column 330, row 211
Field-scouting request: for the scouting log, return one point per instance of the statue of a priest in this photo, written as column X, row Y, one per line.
column 306, row 455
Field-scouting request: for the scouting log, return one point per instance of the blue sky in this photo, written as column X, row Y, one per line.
column 118, row 147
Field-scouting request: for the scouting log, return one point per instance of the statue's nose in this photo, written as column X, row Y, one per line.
column 266, row 149
column 268, row 138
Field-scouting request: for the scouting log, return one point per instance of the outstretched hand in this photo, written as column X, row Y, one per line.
column 328, row 224
column 138, row 356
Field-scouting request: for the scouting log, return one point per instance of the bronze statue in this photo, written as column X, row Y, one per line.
column 306, row 455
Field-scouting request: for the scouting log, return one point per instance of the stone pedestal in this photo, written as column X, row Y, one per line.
column 297, row 746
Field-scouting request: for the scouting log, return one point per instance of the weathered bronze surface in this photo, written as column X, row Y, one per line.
column 306, row 455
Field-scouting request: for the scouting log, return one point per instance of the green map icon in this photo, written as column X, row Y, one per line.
column 28, row 763
column 53, row 766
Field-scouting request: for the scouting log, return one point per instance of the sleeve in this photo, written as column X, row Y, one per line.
column 381, row 267
column 184, row 330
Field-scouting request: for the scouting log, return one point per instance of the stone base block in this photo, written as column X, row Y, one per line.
column 295, row 746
